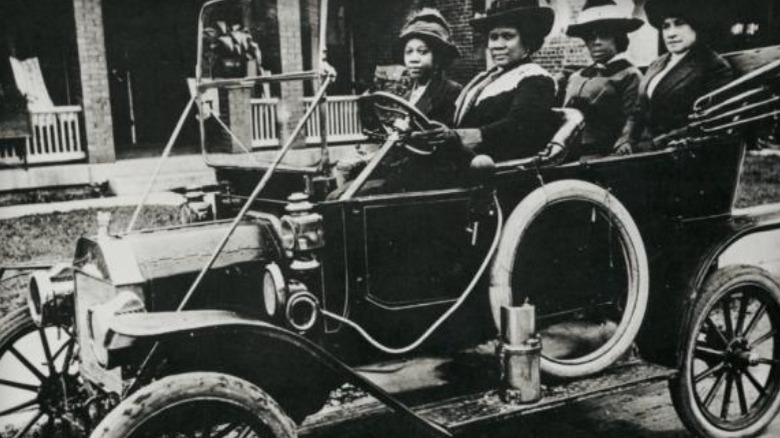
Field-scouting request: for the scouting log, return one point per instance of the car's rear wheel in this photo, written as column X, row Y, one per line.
column 40, row 388
column 573, row 250
column 199, row 405
column 729, row 383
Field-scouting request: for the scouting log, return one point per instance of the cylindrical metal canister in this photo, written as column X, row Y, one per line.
column 521, row 369
column 518, row 324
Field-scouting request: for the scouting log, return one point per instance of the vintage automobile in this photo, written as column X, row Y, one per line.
column 415, row 275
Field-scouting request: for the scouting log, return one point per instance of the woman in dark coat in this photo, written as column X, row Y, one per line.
column 606, row 92
column 428, row 51
column 674, row 81
column 506, row 111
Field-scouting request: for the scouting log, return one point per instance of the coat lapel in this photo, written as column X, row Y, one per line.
column 676, row 77
column 425, row 103
column 653, row 71
column 461, row 105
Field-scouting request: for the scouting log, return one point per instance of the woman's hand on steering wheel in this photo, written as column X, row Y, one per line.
column 439, row 136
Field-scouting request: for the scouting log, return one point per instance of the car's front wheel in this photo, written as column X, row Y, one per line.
column 41, row 392
column 200, row 404
column 729, row 383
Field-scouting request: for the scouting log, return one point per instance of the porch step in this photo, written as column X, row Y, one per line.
column 465, row 413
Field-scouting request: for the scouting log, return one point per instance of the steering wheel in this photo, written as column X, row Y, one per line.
column 383, row 113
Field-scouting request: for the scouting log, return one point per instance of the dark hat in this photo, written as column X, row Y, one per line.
column 701, row 14
column 600, row 13
column 430, row 25
column 527, row 15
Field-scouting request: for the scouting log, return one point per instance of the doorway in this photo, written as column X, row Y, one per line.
column 150, row 51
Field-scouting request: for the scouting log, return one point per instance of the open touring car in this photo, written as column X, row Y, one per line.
column 441, row 290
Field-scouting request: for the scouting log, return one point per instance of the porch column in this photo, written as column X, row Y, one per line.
column 291, row 104
column 96, row 102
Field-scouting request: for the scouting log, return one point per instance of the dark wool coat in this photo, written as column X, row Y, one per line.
column 438, row 99
column 699, row 72
column 513, row 111
column 606, row 95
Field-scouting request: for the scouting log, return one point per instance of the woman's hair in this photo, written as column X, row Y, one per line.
column 621, row 42
column 703, row 31
column 532, row 41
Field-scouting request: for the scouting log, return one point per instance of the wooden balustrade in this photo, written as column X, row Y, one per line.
column 342, row 114
column 55, row 137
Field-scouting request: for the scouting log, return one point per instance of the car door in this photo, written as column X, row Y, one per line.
column 411, row 256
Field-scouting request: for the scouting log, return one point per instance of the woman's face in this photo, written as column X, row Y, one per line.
column 601, row 45
column 678, row 35
column 418, row 59
column 505, row 46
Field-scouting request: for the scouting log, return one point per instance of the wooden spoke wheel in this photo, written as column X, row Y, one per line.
column 40, row 387
column 730, row 378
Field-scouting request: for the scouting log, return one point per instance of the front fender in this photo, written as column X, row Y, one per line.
column 129, row 330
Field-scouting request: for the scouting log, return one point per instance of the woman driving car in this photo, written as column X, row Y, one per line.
column 428, row 51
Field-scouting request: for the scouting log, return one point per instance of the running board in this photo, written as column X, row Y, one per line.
column 462, row 414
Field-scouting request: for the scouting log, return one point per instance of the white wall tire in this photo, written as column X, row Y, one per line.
column 746, row 290
column 529, row 209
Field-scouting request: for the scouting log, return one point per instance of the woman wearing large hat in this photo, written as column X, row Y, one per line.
column 674, row 81
column 506, row 111
column 427, row 50
column 606, row 91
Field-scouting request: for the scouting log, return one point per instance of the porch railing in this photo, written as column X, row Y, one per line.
column 56, row 137
column 342, row 114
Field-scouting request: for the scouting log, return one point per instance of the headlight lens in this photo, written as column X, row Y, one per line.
column 288, row 233
column 274, row 290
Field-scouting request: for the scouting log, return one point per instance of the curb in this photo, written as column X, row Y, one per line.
column 162, row 198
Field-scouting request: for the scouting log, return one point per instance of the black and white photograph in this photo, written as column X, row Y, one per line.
column 389, row 218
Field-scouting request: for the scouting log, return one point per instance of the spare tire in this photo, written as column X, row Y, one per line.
column 505, row 290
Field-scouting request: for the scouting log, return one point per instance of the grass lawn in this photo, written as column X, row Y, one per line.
column 760, row 182
column 51, row 238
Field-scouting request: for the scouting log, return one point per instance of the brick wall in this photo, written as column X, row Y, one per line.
column 560, row 50
column 291, row 49
column 376, row 26
column 96, row 103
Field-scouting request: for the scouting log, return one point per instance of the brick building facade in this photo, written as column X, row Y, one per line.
column 95, row 96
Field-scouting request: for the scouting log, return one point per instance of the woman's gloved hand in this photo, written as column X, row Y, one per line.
column 440, row 136
column 447, row 137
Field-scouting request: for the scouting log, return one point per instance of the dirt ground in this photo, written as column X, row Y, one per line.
column 645, row 412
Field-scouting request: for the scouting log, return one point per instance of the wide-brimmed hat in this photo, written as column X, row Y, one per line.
column 527, row 15
column 429, row 25
column 701, row 14
column 603, row 13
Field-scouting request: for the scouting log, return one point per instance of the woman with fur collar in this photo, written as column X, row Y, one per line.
column 506, row 111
